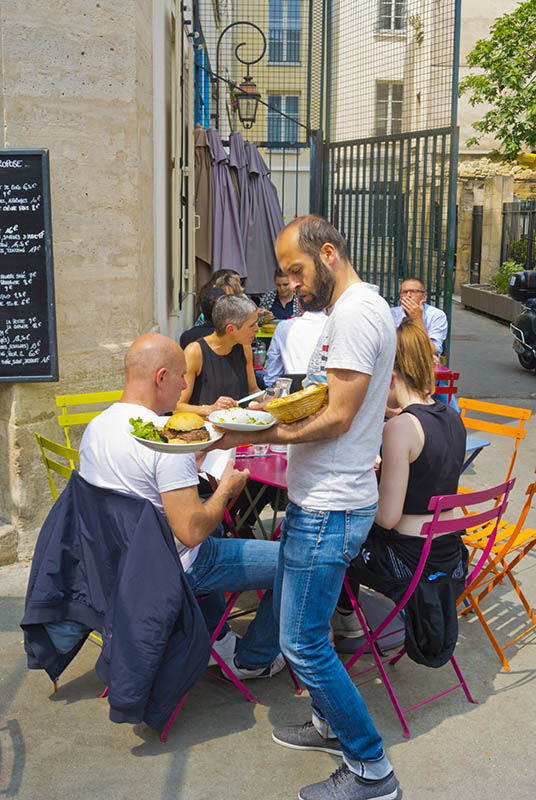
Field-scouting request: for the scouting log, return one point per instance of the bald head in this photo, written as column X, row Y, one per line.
column 149, row 353
column 154, row 373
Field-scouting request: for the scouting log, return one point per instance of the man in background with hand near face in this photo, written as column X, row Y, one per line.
column 413, row 305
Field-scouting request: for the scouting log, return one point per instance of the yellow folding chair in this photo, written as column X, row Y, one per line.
column 69, row 454
column 512, row 543
column 52, row 465
column 477, row 422
column 69, row 418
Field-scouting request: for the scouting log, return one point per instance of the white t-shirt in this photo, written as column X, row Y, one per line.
column 337, row 474
column 112, row 459
column 292, row 345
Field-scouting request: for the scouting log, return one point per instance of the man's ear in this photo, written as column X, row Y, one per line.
column 161, row 375
column 329, row 252
column 230, row 328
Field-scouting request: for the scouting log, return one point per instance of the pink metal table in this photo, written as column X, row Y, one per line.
column 268, row 470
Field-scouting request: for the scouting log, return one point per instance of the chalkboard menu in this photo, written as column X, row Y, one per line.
column 28, row 350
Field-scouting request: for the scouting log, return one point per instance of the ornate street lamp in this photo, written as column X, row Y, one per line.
column 247, row 101
column 247, row 96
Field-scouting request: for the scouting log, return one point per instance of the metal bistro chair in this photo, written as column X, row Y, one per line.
column 512, row 543
column 69, row 454
column 478, row 421
column 429, row 530
column 445, row 385
column 68, row 418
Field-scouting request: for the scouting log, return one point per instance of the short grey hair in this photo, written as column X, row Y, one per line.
column 231, row 309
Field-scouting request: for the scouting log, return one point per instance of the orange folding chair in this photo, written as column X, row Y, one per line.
column 512, row 543
column 476, row 422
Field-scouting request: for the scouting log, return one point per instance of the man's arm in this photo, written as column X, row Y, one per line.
column 191, row 520
column 437, row 326
column 346, row 392
column 274, row 362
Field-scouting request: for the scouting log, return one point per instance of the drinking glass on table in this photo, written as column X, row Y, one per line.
column 282, row 389
column 282, row 386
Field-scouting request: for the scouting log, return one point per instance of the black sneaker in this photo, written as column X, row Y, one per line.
column 346, row 785
column 305, row 737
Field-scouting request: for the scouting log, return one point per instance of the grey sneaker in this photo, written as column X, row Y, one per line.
column 305, row 737
column 346, row 785
column 346, row 625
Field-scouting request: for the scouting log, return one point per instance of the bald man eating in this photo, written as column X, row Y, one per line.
column 112, row 459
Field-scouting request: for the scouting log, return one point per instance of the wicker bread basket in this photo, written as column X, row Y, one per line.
column 298, row 405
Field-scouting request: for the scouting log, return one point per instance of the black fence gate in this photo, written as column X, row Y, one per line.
column 356, row 120
column 517, row 240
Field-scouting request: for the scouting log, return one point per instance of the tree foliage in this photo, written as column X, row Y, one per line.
column 507, row 81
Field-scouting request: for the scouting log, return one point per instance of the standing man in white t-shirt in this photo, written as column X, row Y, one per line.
column 111, row 458
column 332, row 490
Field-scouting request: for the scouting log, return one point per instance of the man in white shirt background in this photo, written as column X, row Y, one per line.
column 413, row 304
column 292, row 345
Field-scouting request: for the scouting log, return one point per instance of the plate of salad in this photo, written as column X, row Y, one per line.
column 242, row 419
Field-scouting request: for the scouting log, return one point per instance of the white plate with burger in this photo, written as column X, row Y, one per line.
column 182, row 433
column 242, row 419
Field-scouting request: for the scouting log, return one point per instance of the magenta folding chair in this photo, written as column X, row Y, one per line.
column 230, row 676
column 430, row 529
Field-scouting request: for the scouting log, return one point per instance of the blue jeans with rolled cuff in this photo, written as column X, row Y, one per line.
column 316, row 549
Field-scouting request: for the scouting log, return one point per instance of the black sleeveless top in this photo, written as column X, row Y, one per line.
column 220, row 375
column 437, row 469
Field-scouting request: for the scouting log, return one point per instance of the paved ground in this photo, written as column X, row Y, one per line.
column 481, row 351
column 54, row 747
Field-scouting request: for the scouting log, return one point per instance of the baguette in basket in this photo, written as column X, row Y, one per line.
column 298, row 405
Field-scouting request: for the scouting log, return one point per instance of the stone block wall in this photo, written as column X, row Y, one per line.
column 488, row 183
column 77, row 79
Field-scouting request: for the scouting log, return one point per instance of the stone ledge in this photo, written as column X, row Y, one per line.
column 482, row 298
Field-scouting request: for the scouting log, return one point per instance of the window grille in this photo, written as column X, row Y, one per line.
column 389, row 96
column 284, row 32
column 280, row 129
column 391, row 15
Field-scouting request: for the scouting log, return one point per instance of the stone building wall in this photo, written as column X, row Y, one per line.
column 77, row 79
column 485, row 182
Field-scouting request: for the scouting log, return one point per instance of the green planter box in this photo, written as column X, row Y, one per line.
column 481, row 297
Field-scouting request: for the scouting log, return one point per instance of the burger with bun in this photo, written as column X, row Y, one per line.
column 185, row 428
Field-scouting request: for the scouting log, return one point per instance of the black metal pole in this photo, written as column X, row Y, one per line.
column 316, row 190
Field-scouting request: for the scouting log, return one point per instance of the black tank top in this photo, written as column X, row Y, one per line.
column 437, row 469
column 220, row 375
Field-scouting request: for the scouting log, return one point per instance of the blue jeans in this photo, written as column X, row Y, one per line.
column 234, row 565
column 316, row 549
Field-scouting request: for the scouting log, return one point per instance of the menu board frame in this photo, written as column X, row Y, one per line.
column 50, row 311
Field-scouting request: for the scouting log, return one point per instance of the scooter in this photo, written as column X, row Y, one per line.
column 522, row 287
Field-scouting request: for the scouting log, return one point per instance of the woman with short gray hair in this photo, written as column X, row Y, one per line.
column 219, row 367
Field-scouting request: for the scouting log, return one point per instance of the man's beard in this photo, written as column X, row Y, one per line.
column 323, row 287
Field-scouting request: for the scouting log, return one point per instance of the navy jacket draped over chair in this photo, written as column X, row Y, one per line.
column 108, row 561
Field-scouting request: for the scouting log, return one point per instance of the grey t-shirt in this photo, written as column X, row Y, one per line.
column 337, row 474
